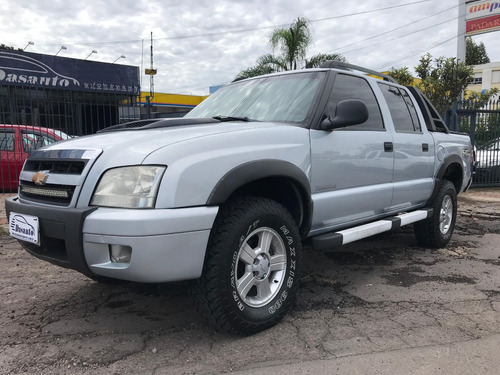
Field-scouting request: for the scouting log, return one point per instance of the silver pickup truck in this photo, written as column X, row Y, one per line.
column 227, row 195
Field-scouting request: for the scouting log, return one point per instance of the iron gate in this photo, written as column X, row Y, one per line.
column 482, row 122
column 31, row 117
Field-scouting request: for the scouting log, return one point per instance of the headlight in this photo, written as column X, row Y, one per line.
column 129, row 187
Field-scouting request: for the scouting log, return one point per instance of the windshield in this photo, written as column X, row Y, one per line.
column 61, row 134
column 281, row 98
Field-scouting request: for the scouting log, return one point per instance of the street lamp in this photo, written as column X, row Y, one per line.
column 60, row 49
column 121, row 57
column 27, row 45
column 93, row 51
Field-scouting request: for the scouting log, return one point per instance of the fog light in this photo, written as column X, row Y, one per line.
column 120, row 253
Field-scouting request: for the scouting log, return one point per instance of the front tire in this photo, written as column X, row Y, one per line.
column 250, row 276
column 436, row 230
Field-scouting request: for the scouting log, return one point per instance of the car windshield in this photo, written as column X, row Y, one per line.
column 280, row 98
column 61, row 134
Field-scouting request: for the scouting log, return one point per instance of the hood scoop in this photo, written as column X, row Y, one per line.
column 158, row 123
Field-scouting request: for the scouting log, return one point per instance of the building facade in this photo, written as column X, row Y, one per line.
column 486, row 77
column 75, row 96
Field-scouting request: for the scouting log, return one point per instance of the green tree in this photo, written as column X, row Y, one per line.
column 475, row 54
column 443, row 79
column 292, row 44
column 265, row 65
column 315, row 61
column 402, row 76
column 477, row 100
column 3, row 46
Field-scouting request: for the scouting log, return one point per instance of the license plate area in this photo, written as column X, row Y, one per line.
column 24, row 227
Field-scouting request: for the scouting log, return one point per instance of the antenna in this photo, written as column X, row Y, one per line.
column 151, row 73
column 152, row 76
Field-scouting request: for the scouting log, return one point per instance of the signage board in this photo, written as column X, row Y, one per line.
column 482, row 25
column 482, row 17
column 480, row 9
column 19, row 68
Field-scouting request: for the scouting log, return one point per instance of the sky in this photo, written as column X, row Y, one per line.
column 202, row 43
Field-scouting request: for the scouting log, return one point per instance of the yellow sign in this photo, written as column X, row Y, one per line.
column 151, row 72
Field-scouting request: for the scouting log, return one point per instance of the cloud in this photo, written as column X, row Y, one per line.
column 202, row 43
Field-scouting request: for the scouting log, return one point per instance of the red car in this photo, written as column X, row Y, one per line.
column 16, row 142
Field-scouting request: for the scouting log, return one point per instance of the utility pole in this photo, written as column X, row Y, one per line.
column 461, row 31
column 152, row 76
column 151, row 72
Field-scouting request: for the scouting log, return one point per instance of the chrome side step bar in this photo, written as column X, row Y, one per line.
column 328, row 241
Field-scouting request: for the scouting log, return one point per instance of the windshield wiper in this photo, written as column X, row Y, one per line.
column 232, row 118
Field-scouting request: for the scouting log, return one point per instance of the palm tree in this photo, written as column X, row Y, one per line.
column 315, row 61
column 265, row 65
column 292, row 42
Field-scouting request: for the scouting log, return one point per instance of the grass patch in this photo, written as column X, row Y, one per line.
column 3, row 232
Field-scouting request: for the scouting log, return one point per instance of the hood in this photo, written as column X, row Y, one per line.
column 133, row 146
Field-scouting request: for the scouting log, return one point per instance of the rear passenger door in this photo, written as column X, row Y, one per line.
column 413, row 150
column 352, row 167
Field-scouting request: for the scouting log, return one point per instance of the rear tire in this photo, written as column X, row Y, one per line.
column 436, row 230
column 251, row 272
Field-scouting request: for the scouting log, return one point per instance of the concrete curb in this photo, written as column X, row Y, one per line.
column 470, row 357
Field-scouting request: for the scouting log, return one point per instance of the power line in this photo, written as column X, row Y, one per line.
column 311, row 21
column 402, row 36
column 239, row 30
column 370, row 11
column 395, row 29
column 93, row 43
column 417, row 52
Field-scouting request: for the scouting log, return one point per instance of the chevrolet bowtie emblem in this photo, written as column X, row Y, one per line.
column 39, row 178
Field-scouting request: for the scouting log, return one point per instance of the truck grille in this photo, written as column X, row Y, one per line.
column 74, row 167
column 55, row 176
column 50, row 193
column 60, row 195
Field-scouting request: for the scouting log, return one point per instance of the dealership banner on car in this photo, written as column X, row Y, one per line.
column 482, row 17
column 19, row 68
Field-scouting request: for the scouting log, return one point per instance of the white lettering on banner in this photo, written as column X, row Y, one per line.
column 111, row 87
column 18, row 68
column 35, row 80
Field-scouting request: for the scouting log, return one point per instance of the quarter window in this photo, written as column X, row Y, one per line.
column 7, row 141
column 33, row 141
column 403, row 112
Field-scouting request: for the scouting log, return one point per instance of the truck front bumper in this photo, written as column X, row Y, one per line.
column 161, row 244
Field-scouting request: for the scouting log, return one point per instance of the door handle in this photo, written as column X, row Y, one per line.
column 425, row 147
column 388, row 147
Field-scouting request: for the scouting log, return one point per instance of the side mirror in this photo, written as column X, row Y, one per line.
column 348, row 112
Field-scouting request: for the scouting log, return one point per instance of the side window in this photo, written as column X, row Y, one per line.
column 403, row 113
column 7, row 141
column 33, row 141
column 350, row 87
column 412, row 110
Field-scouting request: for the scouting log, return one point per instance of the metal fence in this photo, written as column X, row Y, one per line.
column 482, row 122
column 73, row 112
column 31, row 118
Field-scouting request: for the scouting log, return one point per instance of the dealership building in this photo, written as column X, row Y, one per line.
column 77, row 96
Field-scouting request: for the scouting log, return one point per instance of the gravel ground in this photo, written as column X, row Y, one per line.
column 381, row 295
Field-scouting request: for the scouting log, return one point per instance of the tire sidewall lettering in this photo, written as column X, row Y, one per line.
column 280, row 300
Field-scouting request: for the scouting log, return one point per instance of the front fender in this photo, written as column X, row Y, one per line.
column 254, row 171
